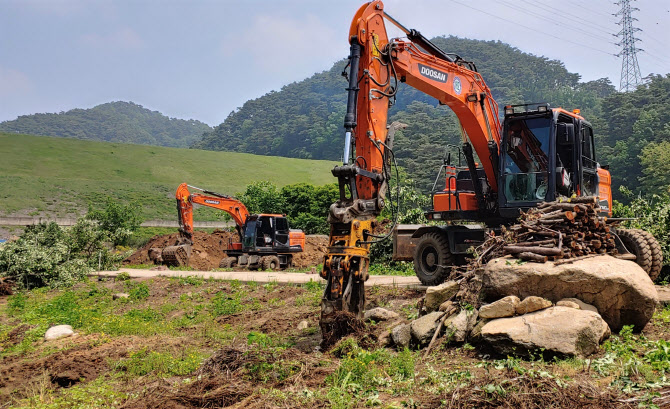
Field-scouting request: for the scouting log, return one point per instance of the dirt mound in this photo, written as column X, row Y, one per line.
column 5, row 287
column 208, row 249
column 83, row 362
column 315, row 248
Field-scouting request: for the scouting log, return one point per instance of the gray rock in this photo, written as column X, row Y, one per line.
column 532, row 304
column 303, row 325
column 401, row 336
column 458, row 326
column 58, row 331
column 120, row 295
column 379, row 314
column 504, row 307
column 582, row 305
column 440, row 293
column 556, row 330
column 621, row 291
column 569, row 304
column 423, row 328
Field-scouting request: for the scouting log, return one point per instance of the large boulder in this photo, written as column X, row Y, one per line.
column 438, row 294
column 556, row 330
column 423, row 328
column 620, row 290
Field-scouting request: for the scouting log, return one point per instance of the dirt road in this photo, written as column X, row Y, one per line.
column 259, row 276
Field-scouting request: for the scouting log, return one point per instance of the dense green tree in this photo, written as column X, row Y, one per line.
column 123, row 122
column 305, row 205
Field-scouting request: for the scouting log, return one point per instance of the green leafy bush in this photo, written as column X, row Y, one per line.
column 305, row 205
column 118, row 220
column 651, row 213
column 48, row 255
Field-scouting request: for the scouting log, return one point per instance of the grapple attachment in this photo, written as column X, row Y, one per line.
column 176, row 256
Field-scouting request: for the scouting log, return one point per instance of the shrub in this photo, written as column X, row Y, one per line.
column 651, row 213
column 48, row 255
column 118, row 220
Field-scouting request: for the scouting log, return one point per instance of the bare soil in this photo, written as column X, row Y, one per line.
column 229, row 377
column 209, row 249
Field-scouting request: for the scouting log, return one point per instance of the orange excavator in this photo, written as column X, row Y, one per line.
column 536, row 153
column 266, row 241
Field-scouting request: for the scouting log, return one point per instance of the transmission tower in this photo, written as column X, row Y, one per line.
column 630, row 69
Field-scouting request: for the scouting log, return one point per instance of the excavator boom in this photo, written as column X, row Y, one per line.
column 377, row 65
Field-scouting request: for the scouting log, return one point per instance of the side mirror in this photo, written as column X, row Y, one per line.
column 565, row 134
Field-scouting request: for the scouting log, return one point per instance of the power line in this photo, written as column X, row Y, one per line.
column 532, row 29
column 532, row 13
column 656, row 57
column 608, row 15
column 562, row 13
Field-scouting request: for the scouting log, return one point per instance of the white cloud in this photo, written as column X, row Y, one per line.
column 125, row 39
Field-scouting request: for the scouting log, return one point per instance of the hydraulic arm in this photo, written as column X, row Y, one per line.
column 179, row 254
column 376, row 65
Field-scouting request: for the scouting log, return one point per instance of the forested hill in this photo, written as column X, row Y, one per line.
column 304, row 119
column 119, row 121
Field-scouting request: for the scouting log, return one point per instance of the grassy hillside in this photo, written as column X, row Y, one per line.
column 59, row 177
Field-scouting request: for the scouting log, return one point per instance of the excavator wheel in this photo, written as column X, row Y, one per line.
column 432, row 259
column 270, row 263
column 228, row 262
column 637, row 244
column 656, row 253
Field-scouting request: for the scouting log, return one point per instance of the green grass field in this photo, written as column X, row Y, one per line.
column 60, row 177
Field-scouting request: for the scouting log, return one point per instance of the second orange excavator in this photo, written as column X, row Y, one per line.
column 266, row 241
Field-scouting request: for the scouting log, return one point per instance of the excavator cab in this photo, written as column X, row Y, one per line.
column 546, row 153
column 270, row 231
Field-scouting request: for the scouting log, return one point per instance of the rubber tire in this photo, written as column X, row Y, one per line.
column 228, row 262
column 637, row 244
column 432, row 259
column 271, row 263
column 656, row 253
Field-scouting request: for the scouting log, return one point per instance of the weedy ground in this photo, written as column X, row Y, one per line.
column 193, row 343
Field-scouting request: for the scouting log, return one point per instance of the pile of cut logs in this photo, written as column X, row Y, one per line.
column 561, row 230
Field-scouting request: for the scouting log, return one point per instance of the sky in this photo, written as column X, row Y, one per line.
column 202, row 59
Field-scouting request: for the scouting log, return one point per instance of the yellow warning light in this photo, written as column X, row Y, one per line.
column 576, row 111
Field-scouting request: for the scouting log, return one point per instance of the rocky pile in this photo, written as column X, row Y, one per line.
column 621, row 291
column 533, row 308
